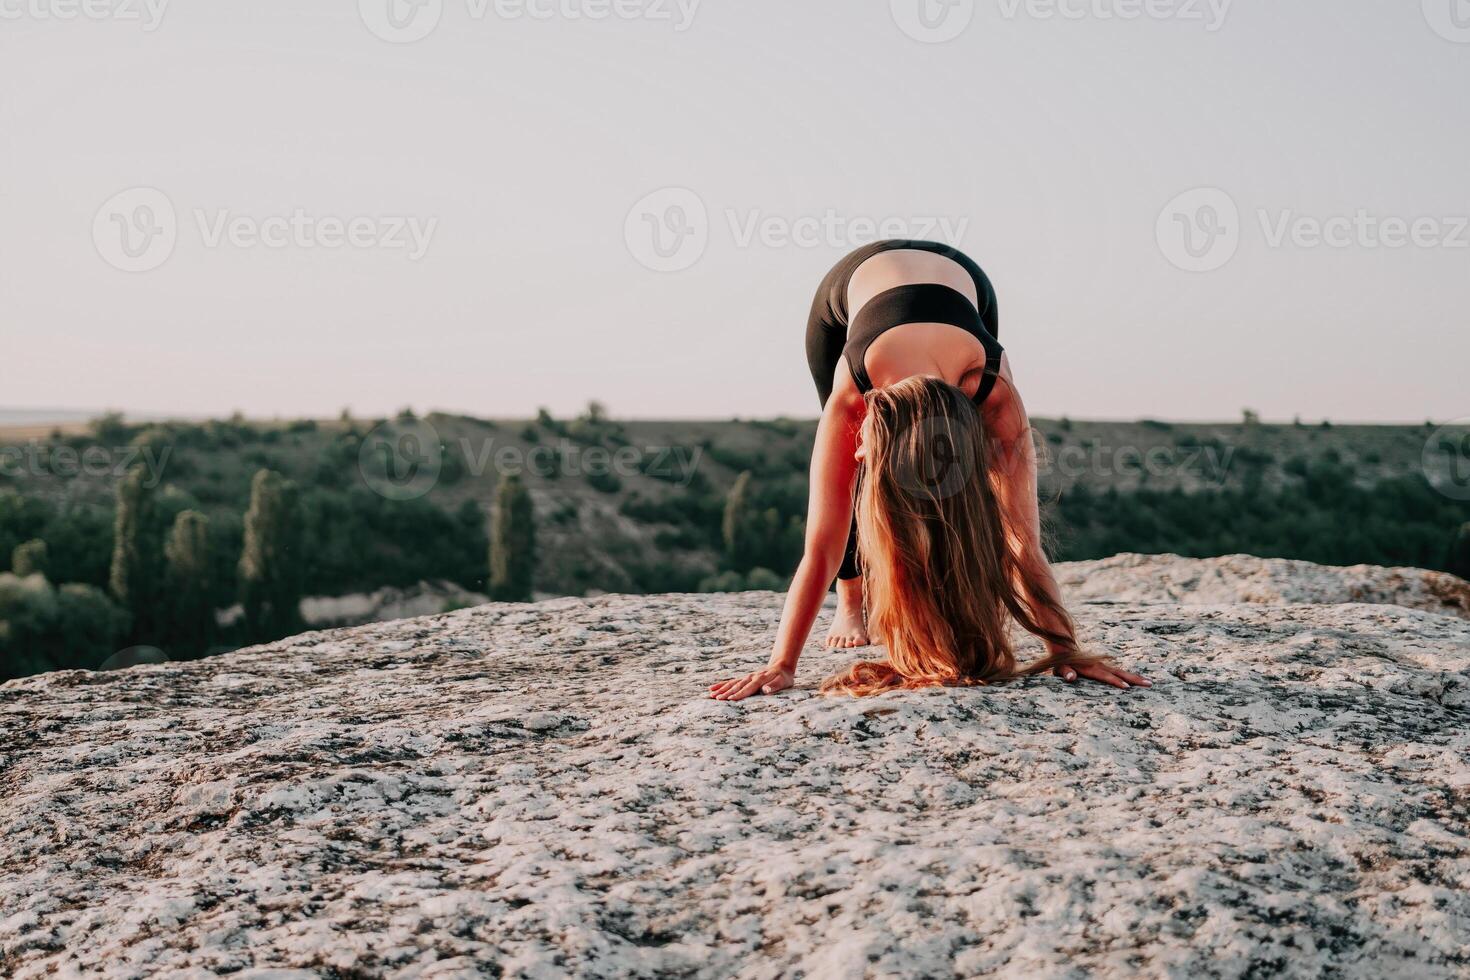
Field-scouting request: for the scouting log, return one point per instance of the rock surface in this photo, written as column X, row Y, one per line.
column 1245, row 578
column 544, row 790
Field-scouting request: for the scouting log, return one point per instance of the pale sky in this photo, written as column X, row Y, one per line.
column 520, row 141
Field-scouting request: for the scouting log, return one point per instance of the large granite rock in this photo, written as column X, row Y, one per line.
column 544, row 790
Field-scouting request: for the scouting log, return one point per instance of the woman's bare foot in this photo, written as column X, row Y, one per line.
column 848, row 627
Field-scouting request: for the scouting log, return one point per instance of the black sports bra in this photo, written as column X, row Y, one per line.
column 918, row 303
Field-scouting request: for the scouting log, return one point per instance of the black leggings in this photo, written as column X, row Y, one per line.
column 826, row 335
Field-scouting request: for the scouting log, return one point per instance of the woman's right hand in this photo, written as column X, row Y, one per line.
column 767, row 680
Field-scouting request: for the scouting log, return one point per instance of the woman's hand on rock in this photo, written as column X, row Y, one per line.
column 767, row 680
column 1103, row 674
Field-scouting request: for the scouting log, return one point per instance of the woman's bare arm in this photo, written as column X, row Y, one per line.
column 1014, row 464
column 829, row 518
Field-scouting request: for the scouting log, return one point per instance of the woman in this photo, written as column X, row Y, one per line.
column 917, row 396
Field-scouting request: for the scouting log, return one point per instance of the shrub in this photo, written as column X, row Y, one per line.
column 44, row 628
column 513, row 543
column 188, row 573
column 29, row 558
column 604, row 482
column 270, row 559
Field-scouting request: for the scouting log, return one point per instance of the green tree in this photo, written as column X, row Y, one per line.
column 89, row 627
column 512, row 543
column 473, row 571
column 270, row 559
column 189, row 573
column 736, row 522
column 133, row 579
column 29, row 558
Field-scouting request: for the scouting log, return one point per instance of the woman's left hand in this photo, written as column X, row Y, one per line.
column 768, row 680
column 1103, row 674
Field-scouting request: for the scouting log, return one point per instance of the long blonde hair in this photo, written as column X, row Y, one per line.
column 942, row 577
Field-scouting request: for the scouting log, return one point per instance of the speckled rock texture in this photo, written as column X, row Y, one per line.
column 544, row 790
column 1245, row 578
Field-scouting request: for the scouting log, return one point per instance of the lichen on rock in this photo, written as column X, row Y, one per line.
column 543, row 790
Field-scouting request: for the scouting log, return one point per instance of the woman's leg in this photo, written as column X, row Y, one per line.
column 825, row 338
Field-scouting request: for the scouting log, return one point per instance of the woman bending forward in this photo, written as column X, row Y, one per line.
column 923, row 454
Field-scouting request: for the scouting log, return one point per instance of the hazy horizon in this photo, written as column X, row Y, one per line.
column 15, row 416
column 545, row 207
